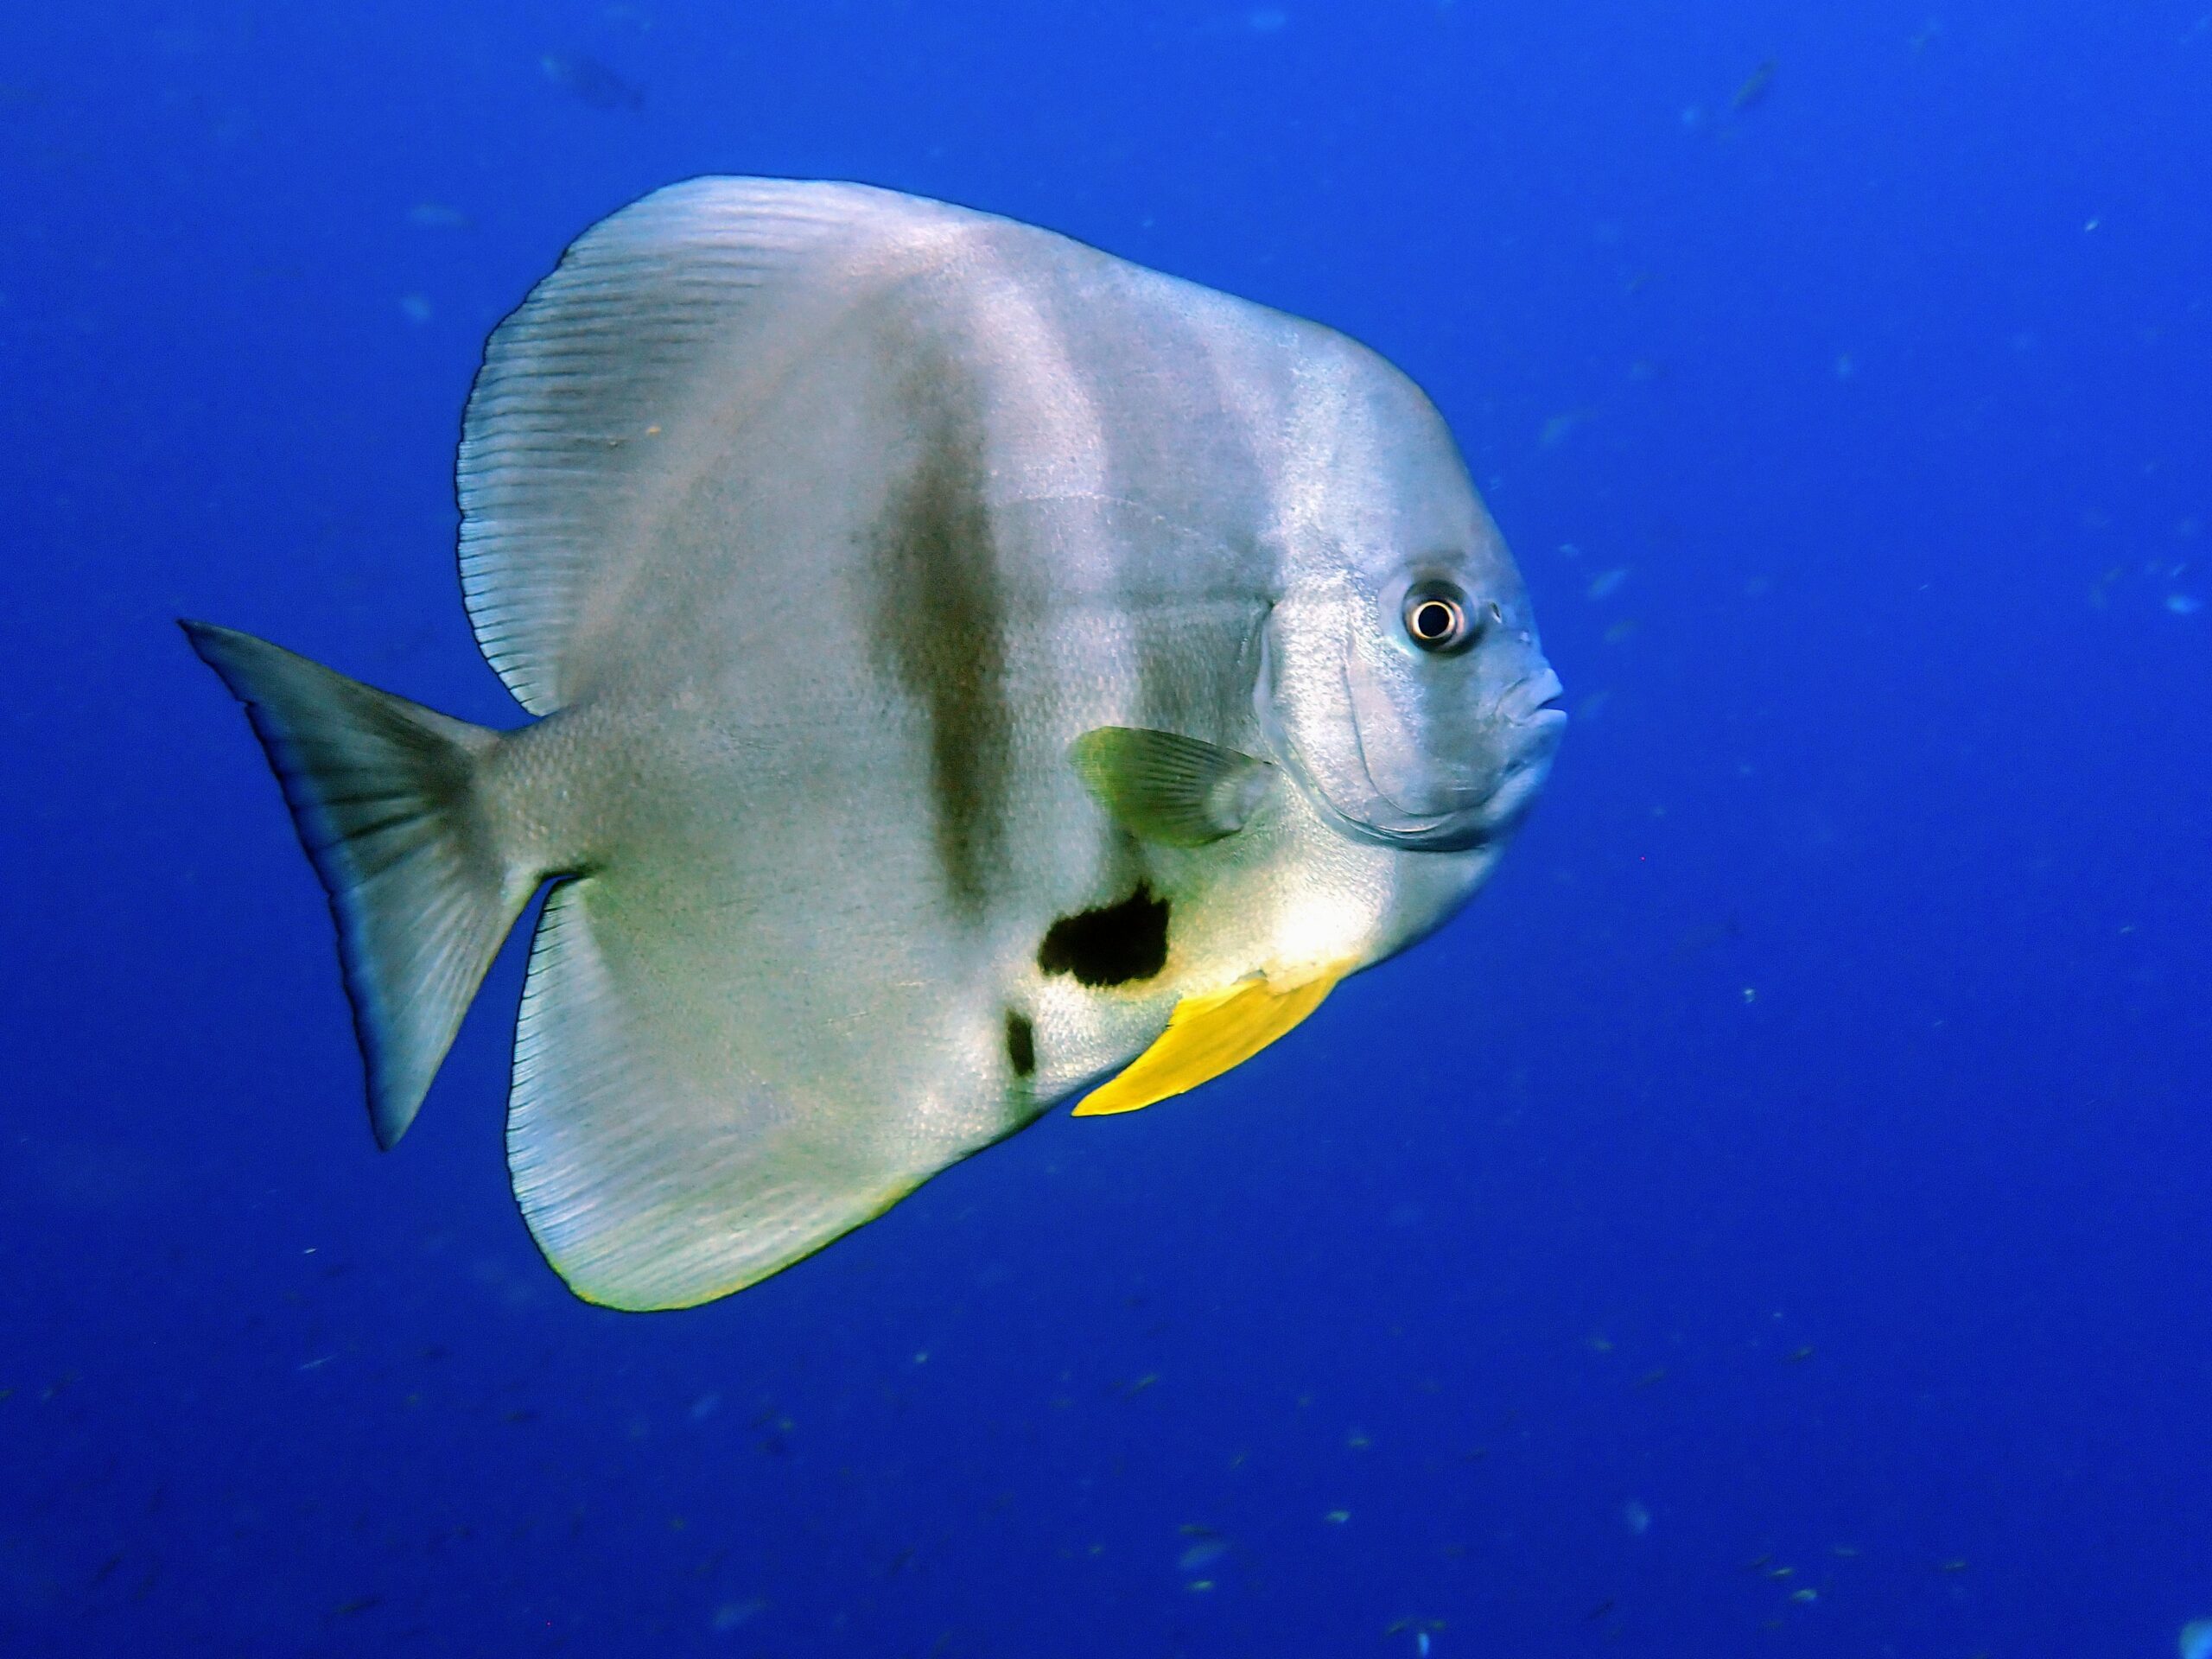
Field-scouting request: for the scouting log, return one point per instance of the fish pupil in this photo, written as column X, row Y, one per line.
column 1435, row 619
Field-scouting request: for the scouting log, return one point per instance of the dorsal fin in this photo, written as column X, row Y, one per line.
column 686, row 302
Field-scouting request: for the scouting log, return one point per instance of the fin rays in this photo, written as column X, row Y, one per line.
column 380, row 793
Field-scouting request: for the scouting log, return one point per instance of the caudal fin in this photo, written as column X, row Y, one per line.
column 383, row 794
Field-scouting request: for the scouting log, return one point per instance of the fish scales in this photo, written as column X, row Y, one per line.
column 966, row 664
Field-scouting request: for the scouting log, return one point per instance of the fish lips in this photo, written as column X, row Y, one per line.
column 1456, row 816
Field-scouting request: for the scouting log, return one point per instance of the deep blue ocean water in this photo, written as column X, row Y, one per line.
column 1797, row 1160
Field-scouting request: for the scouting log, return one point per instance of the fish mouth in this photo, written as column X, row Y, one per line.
column 1536, row 705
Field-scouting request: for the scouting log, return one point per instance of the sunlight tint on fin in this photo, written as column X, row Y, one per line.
column 1162, row 786
column 1209, row 1035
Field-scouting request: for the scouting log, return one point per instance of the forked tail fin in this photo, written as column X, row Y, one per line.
column 384, row 794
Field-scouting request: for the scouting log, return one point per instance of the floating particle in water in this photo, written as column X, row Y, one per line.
column 1337, row 1517
column 1556, row 429
column 1202, row 1556
column 437, row 216
column 589, row 81
column 1606, row 583
column 2184, row 604
column 1635, row 1518
column 2196, row 1639
column 732, row 1614
column 414, row 308
column 1266, row 19
column 1755, row 88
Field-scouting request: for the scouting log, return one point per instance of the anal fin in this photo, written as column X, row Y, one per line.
column 1209, row 1035
column 655, row 1168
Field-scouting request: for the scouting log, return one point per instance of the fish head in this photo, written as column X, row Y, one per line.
column 1403, row 683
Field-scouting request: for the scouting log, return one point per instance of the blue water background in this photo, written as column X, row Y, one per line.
column 1797, row 1160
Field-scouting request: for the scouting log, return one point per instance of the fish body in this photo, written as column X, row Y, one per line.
column 965, row 664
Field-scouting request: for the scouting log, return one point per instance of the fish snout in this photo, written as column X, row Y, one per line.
column 1531, row 722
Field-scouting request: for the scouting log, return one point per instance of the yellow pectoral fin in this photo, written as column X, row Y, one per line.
column 1209, row 1035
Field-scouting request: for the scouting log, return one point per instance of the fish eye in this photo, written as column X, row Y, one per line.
column 1436, row 620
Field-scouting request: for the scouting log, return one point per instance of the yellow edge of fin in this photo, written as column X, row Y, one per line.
column 1209, row 1035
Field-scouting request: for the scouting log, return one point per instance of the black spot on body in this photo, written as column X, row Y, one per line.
column 1021, row 1044
column 1113, row 945
column 942, row 617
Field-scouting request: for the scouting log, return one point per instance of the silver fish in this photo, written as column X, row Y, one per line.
column 969, row 669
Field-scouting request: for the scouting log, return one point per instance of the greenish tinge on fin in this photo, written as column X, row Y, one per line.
column 1161, row 786
column 382, row 795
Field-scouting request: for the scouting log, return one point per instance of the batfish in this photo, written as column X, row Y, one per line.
column 969, row 671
